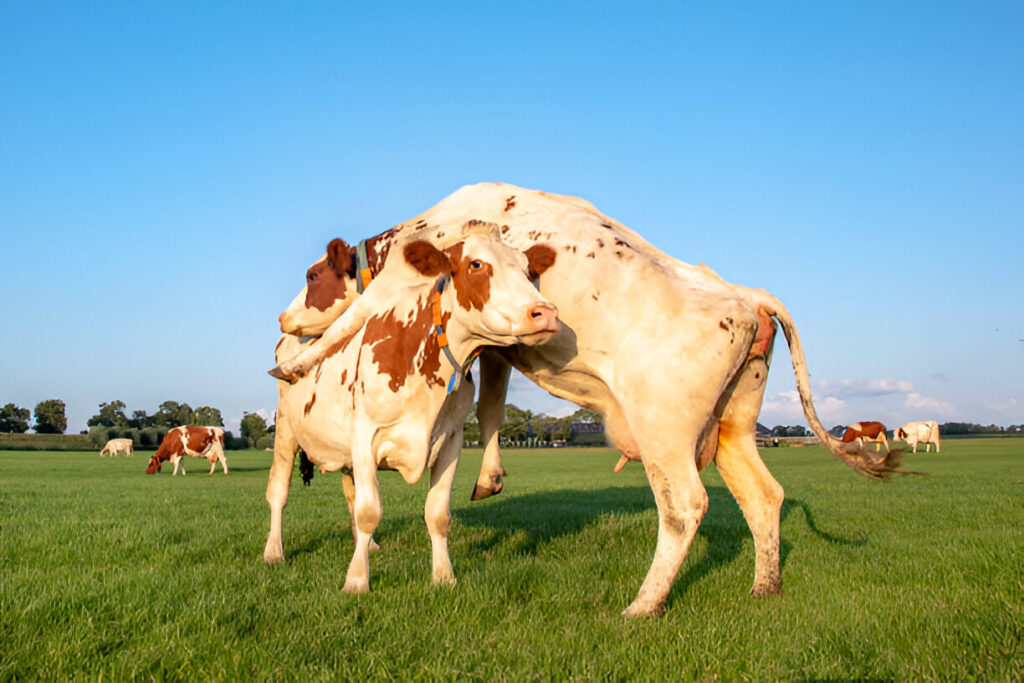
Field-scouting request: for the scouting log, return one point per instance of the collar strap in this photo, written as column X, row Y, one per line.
column 363, row 274
column 442, row 337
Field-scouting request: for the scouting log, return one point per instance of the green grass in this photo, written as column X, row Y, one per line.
column 107, row 572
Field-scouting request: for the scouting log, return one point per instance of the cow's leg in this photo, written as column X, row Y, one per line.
column 437, row 511
column 348, row 486
column 178, row 461
column 490, row 408
column 682, row 501
column 751, row 484
column 278, row 483
column 368, row 512
column 213, row 466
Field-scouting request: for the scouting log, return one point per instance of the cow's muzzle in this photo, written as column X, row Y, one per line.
column 541, row 323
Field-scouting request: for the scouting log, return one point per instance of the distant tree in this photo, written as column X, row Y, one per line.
column 50, row 418
column 561, row 428
column 210, row 417
column 140, row 420
column 471, row 428
column 173, row 414
column 586, row 416
column 110, row 415
column 796, row 430
column 516, row 425
column 779, row 430
column 253, row 427
column 837, row 430
column 14, row 420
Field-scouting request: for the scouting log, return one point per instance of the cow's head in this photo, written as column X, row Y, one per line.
column 154, row 465
column 487, row 289
column 899, row 434
column 330, row 289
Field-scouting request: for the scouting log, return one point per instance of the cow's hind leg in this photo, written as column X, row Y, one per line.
column 278, row 483
column 348, row 486
column 437, row 512
column 751, row 484
column 682, row 502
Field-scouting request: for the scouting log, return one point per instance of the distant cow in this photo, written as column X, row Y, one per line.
column 198, row 442
column 866, row 431
column 115, row 446
column 926, row 432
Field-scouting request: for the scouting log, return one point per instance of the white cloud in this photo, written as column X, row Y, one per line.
column 929, row 406
column 878, row 386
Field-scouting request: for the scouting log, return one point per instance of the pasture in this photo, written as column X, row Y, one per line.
column 108, row 572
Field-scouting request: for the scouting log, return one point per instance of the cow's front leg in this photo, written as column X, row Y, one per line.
column 179, row 464
column 368, row 512
column 278, row 483
column 437, row 512
column 494, row 375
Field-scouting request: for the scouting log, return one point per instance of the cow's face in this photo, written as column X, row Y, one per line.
column 493, row 299
column 154, row 465
column 330, row 289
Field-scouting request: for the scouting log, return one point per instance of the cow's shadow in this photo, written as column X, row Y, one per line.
column 529, row 522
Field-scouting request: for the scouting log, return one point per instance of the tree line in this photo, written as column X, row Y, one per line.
column 112, row 421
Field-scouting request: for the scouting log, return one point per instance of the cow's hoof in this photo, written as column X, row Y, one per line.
column 449, row 580
column 486, row 490
column 766, row 589
column 273, row 558
column 356, row 586
column 373, row 545
column 635, row 611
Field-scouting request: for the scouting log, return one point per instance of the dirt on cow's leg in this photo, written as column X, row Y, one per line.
column 494, row 376
column 682, row 503
column 751, row 484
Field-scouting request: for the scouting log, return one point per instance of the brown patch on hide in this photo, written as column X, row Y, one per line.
column 309, row 406
column 324, row 286
column 402, row 348
column 510, row 202
column 199, row 437
column 765, row 335
column 471, row 279
column 505, row 229
column 377, row 249
column 540, row 257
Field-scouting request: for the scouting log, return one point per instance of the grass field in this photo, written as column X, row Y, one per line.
column 107, row 572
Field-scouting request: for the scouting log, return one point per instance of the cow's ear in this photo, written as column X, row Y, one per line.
column 339, row 256
column 426, row 258
column 540, row 258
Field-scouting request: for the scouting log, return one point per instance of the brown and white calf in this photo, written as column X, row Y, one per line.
column 861, row 432
column 115, row 446
column 198, row 442
column 392, row 392
column 926, row 432
column 674, row 358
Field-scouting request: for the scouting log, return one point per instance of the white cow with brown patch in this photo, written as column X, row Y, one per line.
column 674, row 358
column 914, row 433
column 115, row 446
column 392, row 392
column 191, row 440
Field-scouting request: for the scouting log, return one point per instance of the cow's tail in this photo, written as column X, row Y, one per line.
column 869, row 463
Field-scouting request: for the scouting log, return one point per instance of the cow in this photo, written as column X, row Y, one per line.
column 861, row 432
column 394, row 391
column 674, row 357
column 926, row 432
column 198, row 442
column 115, row 446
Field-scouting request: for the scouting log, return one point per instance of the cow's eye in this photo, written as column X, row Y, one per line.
column 475, row 265
column 310, row 276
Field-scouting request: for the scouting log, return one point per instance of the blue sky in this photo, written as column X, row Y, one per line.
column 169, row 170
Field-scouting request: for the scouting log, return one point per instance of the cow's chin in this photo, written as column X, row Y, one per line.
column 535, row 338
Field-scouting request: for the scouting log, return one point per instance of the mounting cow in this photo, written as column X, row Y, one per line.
column 674, row 357
column 393, row 391
column 198, row 442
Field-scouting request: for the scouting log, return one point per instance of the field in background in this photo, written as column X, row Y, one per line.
column 107, row 571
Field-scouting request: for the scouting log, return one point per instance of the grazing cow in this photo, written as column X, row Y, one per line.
column 115, row 446
column 861, row 432
column 393, row 392
column 198, row 442
column 674, row 357
column 926, row 432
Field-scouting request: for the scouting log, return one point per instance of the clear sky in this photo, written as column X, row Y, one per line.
column 169, row 170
